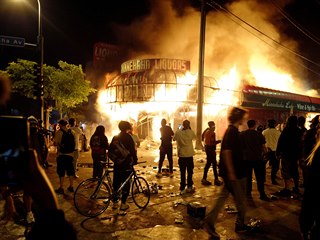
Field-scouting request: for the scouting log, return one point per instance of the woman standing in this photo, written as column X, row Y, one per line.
column 99, row 146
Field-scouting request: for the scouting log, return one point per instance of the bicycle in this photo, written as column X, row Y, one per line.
column 93, row 195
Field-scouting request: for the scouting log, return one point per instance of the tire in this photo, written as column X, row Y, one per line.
column 85, row 203
column 140, row 192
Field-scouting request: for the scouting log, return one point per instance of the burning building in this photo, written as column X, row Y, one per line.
column 148, row 90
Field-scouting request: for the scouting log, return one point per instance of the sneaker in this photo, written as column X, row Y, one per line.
column 264, row 197
column 182, row 192
column 283, row 193
column 159, row 175
column 242, row 228
column 59, row 191
column 70, row 189
column 211, row 230
column 124, row 206
column 217, row 182
column 191, row 189
column 30, row 218
column 205, row 182
column 76, row 176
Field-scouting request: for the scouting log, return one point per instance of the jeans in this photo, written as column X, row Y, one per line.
column 186, row 165
column 237, row 189
column 211, row 160
column 166, row 150
column 259, row 169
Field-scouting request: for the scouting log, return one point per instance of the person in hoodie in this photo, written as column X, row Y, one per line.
column 186, row 151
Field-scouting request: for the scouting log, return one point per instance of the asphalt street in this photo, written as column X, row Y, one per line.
column 166, row 216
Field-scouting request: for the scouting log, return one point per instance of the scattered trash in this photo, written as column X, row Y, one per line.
column 254, row 223
column 273, row 197
column 180, row 201
column 154, row 188
column 122, row 213
column 230, row 210
column 178, row 220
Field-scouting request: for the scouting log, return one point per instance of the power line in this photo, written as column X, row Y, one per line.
column 296, row 25
column 219, row 7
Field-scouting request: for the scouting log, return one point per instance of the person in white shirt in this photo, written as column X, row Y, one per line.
column 186, row 152
column 271, row 134
column 77, row 133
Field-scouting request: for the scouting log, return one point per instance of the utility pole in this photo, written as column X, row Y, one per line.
column 41, row 56
column 201, row 75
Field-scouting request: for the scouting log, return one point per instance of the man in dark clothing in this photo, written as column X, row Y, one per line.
column 121, row 172
column 232, row 170
column 308, row 141
column 165, row 147
column 289, row 151
column 253, row 144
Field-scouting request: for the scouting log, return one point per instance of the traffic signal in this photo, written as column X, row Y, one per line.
column 39, row 85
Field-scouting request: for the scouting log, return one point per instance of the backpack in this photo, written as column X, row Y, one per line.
column 68, row 142
column 204, row 133
column 95, row 145
column 117, row 151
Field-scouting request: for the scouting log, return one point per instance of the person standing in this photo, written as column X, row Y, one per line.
column 65, row 141
column 308, row 142
column 289, row 150
column 253, row 144
column 271, row 135
column 165, row 147
column 233, row 172
column 210, row 143
column 135, row 138
column 309, row 218
column 77, row 133
column 99, row 146
column 186, row 152
column 122, row 171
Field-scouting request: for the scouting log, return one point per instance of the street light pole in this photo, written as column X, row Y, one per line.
column 40, row 76
column 201, row 75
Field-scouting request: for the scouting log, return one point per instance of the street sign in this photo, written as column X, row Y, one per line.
column 12, row 41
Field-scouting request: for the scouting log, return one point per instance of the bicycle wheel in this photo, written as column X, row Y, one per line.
column 140, row 192
column 89, row 200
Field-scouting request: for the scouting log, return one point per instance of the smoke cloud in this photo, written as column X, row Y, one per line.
column 169, row 32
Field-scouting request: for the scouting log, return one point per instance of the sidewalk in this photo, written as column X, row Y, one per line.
column 166, row 215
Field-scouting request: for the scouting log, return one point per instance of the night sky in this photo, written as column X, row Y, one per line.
column 71, row 27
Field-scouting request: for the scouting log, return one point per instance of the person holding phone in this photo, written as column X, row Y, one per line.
column 51, row 217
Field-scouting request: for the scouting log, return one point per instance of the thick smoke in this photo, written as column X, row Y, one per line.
column 171, row 33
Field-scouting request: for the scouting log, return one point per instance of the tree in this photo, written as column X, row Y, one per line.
column 68, row 86
column 23, row 76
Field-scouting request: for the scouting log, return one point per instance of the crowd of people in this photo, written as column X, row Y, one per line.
column 241, row 154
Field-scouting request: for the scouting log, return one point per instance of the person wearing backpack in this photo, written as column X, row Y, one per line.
column 99, row 146
column 64, row 139
column 122, row 170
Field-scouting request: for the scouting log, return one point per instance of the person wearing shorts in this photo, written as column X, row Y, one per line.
column 64, row 160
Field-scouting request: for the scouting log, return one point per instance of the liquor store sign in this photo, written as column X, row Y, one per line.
column 12, row 41
column 155, row 64
column 260, row 101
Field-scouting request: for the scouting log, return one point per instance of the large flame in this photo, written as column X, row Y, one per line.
column 233, row 57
